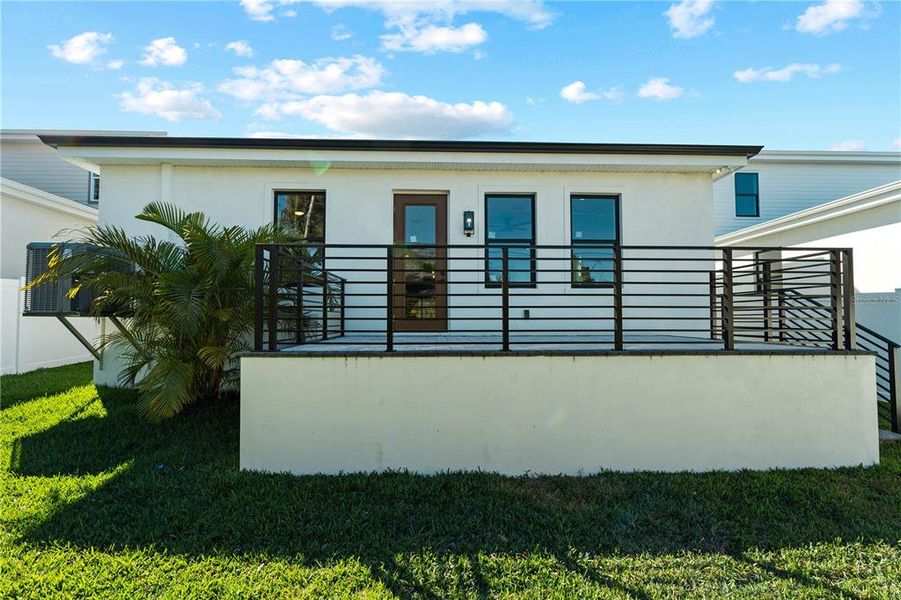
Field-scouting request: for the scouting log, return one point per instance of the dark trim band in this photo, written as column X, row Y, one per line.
column 395, row 145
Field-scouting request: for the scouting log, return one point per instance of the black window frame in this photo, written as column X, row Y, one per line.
column 756, row 196
column 511, row 243
column 597, row 243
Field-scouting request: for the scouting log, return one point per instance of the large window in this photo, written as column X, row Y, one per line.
column 594, row 222
column 510, row 223
column 302, row 211
column 747, row 195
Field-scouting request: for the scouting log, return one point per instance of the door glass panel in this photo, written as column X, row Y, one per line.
column 419, row 224
column 419, row 264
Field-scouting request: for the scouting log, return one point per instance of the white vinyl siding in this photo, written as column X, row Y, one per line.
column 39, row 166
column 787, row 188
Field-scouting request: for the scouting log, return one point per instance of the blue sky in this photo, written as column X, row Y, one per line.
column 790, row 75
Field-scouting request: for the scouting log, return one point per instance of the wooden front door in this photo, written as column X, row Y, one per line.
column 420, row 265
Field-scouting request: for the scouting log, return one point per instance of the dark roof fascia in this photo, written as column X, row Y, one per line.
column 396, row 145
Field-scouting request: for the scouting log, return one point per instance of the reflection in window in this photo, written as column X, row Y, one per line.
column 510, row 223
column 304, row 212
column 595, row 230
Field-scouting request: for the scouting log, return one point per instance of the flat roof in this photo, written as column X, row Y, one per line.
column 395, row 145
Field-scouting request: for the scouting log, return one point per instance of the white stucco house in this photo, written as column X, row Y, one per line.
column 513, row 307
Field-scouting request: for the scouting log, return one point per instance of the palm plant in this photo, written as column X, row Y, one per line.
column 188, row 304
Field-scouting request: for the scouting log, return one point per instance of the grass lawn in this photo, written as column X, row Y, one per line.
column 96, row 502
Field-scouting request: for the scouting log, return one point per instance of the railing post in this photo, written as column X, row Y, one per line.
column 324, row 305
column 835, row 291
column 617, row 298
column 389, row 300
column 849, row 302
column 767, row 298
column 728, row 302
column 274, row 260
column 342, row 307
column 258, row 298
column 505, row 299
column 783, row 321
column 894, row 385
column 301, row 333
column 711, row 276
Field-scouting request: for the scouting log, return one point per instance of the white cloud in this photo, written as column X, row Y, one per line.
column 659, row 88
column 433, row 38
column 82, row 49
column 258, row 10
column 164, row 51
column 896, row 143
column 531, row 12
column 162, row 99
column 786, row 73
column 340, row 32
column 286, row 77
column 397, row 115
column 115, row 64
column 690, row 18
column 240, row 48
column 577, row 93
column 831, row 16
column 848, row 146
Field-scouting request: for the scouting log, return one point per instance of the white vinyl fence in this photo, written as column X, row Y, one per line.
column 30, row 343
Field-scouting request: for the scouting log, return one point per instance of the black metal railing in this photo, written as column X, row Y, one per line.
column 514, row 297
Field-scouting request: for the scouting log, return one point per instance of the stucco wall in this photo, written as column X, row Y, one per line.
column 21, row 223
column 556, row 414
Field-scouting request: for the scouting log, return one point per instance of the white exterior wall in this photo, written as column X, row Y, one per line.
column 557, row 414
column 787, row 188
column 656, row 209
column 32, row 163
column 30, row 343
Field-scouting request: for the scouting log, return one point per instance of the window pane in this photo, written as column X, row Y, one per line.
column 746, row 183
column 592, row 265
column 509, row 218
column 519, row 264
column 302, row 211
column 746, row 206
column 419, row 224
column 593, row 218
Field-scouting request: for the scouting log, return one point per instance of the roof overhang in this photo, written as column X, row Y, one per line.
column 30, row 195
column 93, row 152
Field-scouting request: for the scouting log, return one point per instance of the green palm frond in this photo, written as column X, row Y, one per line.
column 187, row 305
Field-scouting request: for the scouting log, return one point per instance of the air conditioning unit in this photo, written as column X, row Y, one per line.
column 52, row 298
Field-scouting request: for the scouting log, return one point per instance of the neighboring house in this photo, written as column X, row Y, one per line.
column 42, row 198
column 868, row 222
column 512, row 307
column 26, row 160
column 779, row 183
column 28, row 214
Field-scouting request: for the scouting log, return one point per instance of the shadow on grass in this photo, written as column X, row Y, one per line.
column 184, row 494
column 16, row 389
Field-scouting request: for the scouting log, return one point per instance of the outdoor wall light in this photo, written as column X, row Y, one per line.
column 469, row 223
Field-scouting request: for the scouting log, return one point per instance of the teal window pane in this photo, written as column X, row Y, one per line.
column 746, row 206
column 519, row 264
column 746, row 183
column 593, row 218
column 592, row 265
column 509, row 218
